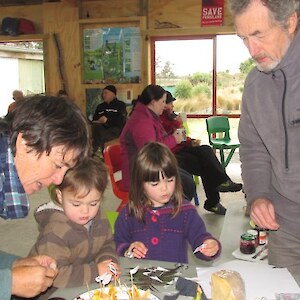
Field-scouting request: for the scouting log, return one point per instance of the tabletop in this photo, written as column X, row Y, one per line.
column 127, row 264
column 235, row 224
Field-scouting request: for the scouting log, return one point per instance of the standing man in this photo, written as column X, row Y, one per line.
column 109, row 118
column 269, row 130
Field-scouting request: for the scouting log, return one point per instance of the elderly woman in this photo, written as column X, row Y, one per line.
column 39, row 141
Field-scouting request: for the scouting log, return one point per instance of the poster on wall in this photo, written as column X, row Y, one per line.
column 212, row 13
column 112, row 55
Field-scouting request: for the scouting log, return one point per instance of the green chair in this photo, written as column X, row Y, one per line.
column 218, row 130
column 112, row 217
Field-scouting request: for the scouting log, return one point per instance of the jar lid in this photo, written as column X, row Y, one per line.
column 248, row 237
column 253, row 232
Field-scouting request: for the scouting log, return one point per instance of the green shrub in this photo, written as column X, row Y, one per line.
column 198, row 77
column 183, row 90
column 202, row 88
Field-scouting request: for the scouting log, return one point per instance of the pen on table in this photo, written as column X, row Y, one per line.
column 260, row 251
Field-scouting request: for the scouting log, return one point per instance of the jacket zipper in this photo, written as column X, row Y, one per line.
column 286, row 146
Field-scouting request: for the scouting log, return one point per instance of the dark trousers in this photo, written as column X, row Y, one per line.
column 188, row 184
column 202, row 161
column 102, row 134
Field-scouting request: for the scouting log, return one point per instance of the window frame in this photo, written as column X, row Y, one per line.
column 213, row 37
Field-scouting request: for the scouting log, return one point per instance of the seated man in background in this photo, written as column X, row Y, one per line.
column 17, row 95
column 109, row 118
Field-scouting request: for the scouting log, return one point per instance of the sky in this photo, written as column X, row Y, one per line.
column 191, row 56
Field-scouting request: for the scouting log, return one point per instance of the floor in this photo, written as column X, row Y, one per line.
column 17, row 236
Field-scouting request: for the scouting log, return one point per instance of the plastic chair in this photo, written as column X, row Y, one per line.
column 195, row 177
column 112, row 217
column 112, row 159
column 216, row 126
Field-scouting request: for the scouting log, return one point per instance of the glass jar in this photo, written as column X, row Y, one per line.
column 247, row 243
column 256, row 234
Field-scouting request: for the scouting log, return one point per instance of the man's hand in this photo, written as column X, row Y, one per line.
column 263, row 214
column 32, row 276
column 102, row 120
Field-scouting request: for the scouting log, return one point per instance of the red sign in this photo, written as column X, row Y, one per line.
column 212, row 13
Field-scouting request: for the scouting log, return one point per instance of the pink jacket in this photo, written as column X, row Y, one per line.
column 142, row 126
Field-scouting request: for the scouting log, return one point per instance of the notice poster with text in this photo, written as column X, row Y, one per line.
column 212, row 13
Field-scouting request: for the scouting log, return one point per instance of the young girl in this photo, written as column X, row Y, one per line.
column 74, row 230
column 156, row 223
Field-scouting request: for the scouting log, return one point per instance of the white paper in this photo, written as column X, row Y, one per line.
column 249, row 257
column 260, row 280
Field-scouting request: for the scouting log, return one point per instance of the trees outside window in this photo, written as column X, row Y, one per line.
column 186, row 68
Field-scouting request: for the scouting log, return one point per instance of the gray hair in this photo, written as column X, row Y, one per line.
column 279, row 10
column 48, row 121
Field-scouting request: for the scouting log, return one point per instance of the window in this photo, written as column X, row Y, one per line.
column 21, row 67
column 184, row 67
column 205, row 74
column 231, row 55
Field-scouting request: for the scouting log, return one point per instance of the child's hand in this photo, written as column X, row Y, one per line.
column 178, row 136
column 179, row 119
column 108, row 266
column 138, row 249
column 209, row 247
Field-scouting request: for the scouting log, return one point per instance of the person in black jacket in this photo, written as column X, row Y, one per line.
column 109, row 118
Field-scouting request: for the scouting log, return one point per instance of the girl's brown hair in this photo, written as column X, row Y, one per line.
column 91, row 174
column 152, row 160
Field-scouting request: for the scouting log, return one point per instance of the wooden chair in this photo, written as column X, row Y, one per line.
column 112, row 159
column 218, row 129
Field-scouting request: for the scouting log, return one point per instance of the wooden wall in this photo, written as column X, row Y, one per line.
column 66, row 19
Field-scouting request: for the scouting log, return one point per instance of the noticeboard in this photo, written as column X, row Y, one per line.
column 112, row 55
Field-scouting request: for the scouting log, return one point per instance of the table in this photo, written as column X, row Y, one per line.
column 127, row 264
column 235, row 224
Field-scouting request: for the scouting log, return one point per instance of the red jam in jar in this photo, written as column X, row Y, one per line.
column 255, row 233
column 247, row 243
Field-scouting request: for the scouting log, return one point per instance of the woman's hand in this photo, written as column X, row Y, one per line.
column 137, row 249
column 32, row 276
column 179, row 119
